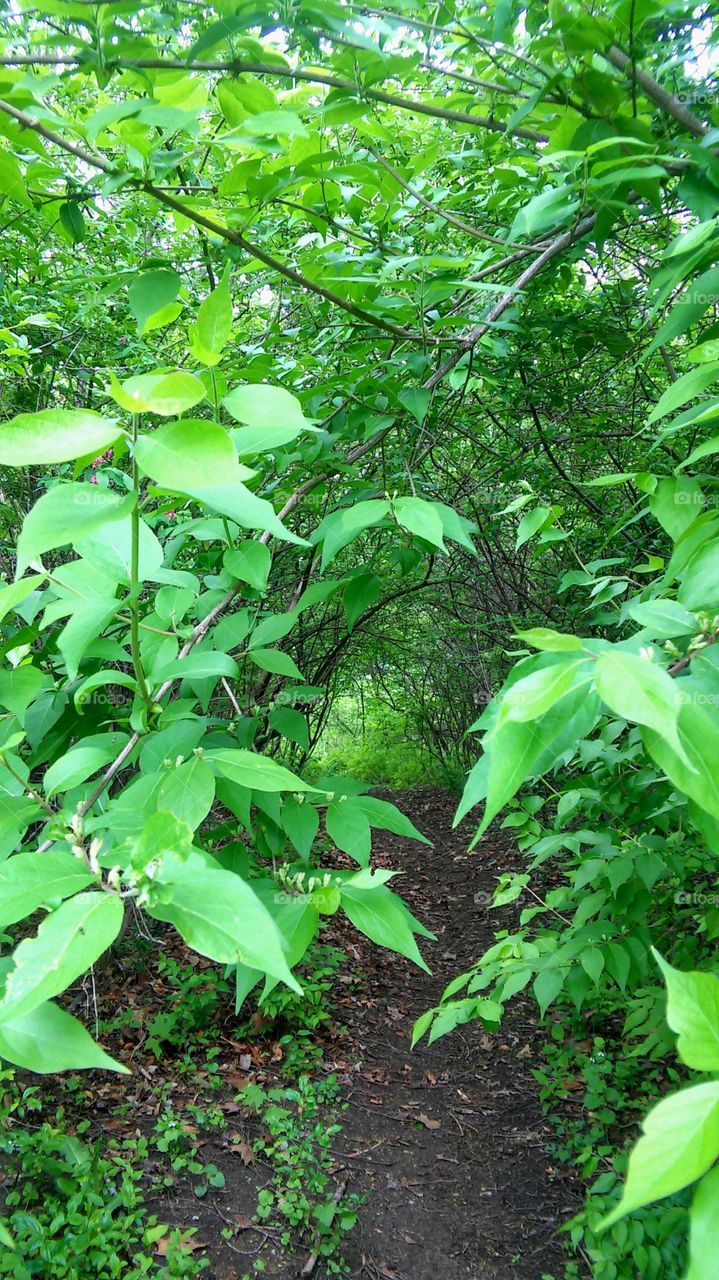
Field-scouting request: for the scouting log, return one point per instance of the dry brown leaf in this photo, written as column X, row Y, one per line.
column 243, row 1149
column 428, row 1124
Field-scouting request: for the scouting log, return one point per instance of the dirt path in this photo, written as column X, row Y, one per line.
column 452, row 1134
column 447, row 1141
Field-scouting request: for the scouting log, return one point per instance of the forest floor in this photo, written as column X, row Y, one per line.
column 447, row 1142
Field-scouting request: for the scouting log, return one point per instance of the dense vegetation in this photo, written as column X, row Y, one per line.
column 356, row 379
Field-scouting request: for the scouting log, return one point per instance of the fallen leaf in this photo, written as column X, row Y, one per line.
column 243, row 1149
column 428, row 1124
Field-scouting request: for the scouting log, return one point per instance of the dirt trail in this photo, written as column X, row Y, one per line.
column 452, row 1135
column 448, row 1140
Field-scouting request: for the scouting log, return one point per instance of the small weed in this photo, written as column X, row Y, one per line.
column 299, row 1133
column 64, row 1201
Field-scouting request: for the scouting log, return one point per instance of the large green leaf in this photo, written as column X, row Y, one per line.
column 341, row 527
column 250, row 562
column 235, row 500
column 642, row 692
column 31, row 880
column 704, row 1229
column 152, row 292
column 55, row 435
column 67, row 943
column 694, row 771
column 517, row 750
column 189, row 451
column 165, row 393
column 258, row 405
column 187, row 791
column 421, row 518
column 255, row 771
column 693, row 1012
column 211, row 332
column 221, row 916
column 67, row 512
column 49, row 1039
column 680, row 1142
column 382, row 916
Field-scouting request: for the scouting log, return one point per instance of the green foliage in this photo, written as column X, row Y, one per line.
column 301, row 1124
column 69, row 1209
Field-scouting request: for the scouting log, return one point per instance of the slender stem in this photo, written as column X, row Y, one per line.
column 134, row 600
column 33, row 794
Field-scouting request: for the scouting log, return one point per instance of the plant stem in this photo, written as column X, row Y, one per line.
column 134, row 600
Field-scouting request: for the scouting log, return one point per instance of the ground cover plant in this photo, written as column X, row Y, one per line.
column 358, row 425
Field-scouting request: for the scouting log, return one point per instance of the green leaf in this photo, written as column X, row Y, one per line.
column 534, row 694
column 20, row 687
column 687, row 387
column 233, row 499
column 348, row 826
column 693, row 1012
column 664, row 618
column 220, row 916
column 547, row 986
column 48, row 1039
column 680, row 1142
column 703, row 450
column 65, row 513
column 16, row 592
column 531, row 523
column 274, row 124
column 359, row 595
column 80, row 762
column 257, row 772
column 197, row 666
column 274, row 660
column 165, row 393
column 387, row 817
column 55, row 435
column 552, row 641
column 189, row 450
column 382, row 916
column 12, row 183
column 72, row 221
column 250, row 562
column 416, row 401
column 641, row 692
column 694, row 771
column 421, row 518
column 31, row 880
column 341, row 527
column 67, row 943
column 101, row 680
column 517, row 751
column 84, row 627
column 704, row 1229
column 301, row 822
column 676, row 503
column 187, row 791
column 152, row 292
column 291, row 724
column 258, row 405
column 210, row 335
column 699, row 587
column 109, row 550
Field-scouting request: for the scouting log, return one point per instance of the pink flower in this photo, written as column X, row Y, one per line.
column 93, row 479
column 97, row 462
column 171, row 514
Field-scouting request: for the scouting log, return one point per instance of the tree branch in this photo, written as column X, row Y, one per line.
column 239, row 65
